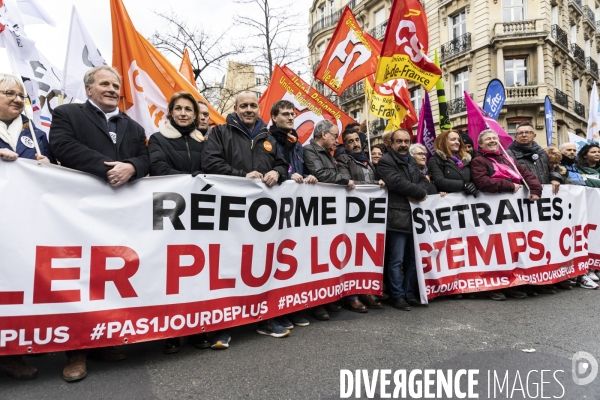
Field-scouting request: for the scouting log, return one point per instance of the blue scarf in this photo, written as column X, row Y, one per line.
column 360, row 157
column 257, row 127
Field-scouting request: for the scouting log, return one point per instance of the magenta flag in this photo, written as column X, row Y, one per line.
column 426, row 129
column 478, row 121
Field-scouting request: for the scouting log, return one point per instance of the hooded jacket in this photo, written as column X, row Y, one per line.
column 535, row 161
column 229, row 150
column 401, row 185
column 446, row 175
column 172, row 153
column 322, row 165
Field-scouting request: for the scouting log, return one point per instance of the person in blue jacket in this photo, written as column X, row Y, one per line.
column 282, row 129
column 15, row 133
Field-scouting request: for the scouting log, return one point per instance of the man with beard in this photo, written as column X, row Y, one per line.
column 405, row 183
column 353, row 162
column 569, row 153
column 243, row 147
column 282, row 129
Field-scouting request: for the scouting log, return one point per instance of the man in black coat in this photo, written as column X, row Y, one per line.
column 244, row 147
column 405, row 182
column 95, row 137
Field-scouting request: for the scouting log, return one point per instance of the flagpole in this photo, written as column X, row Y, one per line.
column 29, row 114
column 64, row 82
column 367, row 123
column 510, row 160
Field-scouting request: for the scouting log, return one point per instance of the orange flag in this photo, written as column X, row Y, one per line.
column 404, row 53
column 186, row 68
column 350, row 56
column 149, row 79
column 310, row 105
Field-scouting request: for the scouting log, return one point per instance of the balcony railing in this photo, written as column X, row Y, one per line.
column 560, row 37
column 353, row 92
column 456, row 106
column 561, row 98
column 518, row 27
column 379, row 30
column 329, row 20
column 590, row 15
column 578, row 53
column 579, row 109
column 456, row 46
column 522, row 92
column 591, row 66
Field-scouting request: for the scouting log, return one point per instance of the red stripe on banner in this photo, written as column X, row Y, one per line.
column 474, row 282
column 56, row 332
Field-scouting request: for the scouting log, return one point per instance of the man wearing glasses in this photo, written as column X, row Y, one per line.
column 320, row 163
column 532, row 156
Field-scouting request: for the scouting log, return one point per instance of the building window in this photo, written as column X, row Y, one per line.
column 573, row 33
column 515, row 72
column 258, row 82
column 511, row 125
column 355, row 115
column 416, row 99
column 557, row 77
column 380, row 16
column 554, row 15
column 458, row 24
column 576, row 93
column 258, row 94
column 331, row 9
column 461, row 84
column 321, row 50
column 513, row 10
column 321, row 12
column 588, row 48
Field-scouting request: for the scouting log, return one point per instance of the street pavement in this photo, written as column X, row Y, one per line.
column 449, row 334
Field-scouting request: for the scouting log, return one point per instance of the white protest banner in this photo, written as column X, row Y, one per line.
column 87, row 265
column 593, row 203
column 466, row 244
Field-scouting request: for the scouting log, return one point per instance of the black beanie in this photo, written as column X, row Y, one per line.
column 466, row 138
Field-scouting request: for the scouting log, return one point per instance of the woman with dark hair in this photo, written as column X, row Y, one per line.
column 377, row 151
column 449, row 166
column 588, row 164
column 175, row 149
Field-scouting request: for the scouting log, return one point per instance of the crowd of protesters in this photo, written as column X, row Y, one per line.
column 95, row 137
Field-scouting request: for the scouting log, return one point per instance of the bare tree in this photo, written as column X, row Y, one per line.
column 275, row 30
column 206, row 51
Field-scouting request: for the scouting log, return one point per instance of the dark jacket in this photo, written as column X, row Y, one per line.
column 25, row 147
column 294, row 155
column 172, row 153
column 482, row 168
column 79, row 139
column 446, row 175
column 322, row 165
column 572, row 176
column 401, row 185
column 349, row 166
column 229, row 150
column 539, row 166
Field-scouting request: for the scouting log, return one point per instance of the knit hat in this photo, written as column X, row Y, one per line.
column 466, row 138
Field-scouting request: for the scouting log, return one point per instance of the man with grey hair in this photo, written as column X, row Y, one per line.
column 320, row 163
column 95, row 137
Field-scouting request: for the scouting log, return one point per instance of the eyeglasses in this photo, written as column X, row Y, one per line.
column 288, row 114
column 11, row 95
column 524, row 133
column 419, row 154
column 334, row 135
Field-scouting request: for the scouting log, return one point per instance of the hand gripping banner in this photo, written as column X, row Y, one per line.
column 87, row 265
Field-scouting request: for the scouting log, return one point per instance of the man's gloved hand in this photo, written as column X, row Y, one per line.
column 470, row 189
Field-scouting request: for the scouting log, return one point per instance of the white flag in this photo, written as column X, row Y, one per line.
column 82, row 54
column 34, row 13
column 594, row 119
column 12, row 35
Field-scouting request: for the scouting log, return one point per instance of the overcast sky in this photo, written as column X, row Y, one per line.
column 213, row 15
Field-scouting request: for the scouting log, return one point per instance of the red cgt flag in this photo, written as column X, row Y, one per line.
column 310, row 105
column 350, row 56
column 404, row 53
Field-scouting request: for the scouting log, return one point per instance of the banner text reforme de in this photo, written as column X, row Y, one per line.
column 465, row 244
column 86, row 265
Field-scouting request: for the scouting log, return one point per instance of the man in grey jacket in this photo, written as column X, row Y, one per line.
column 319, row 162
column 405, row 182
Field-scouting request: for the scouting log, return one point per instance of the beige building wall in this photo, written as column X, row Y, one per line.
column 239, row 77
column 536, row 49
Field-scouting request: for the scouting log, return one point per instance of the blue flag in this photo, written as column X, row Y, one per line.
column 494, row 98
column 549, row 114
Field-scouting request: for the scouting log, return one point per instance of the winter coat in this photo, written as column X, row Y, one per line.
column 591, row 182
column 482, row 169
column 171, row 153
column 80, row 139
column 349, row 166
column 446, row 175
column 540, row 165
column 401, row 185
column 25, row 146
column 572, row 175
column 229, row 150
column 294, row 155
column 319, row 163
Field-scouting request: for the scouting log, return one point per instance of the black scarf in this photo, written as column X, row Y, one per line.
column 567, row 161
column 360, row 157
column 184, row 130
column 406, row 159
column 527, row 150
column 287, row 139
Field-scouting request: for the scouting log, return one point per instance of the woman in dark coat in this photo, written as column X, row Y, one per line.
column 449, row 166
column 588, row 164
column 175, row 149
